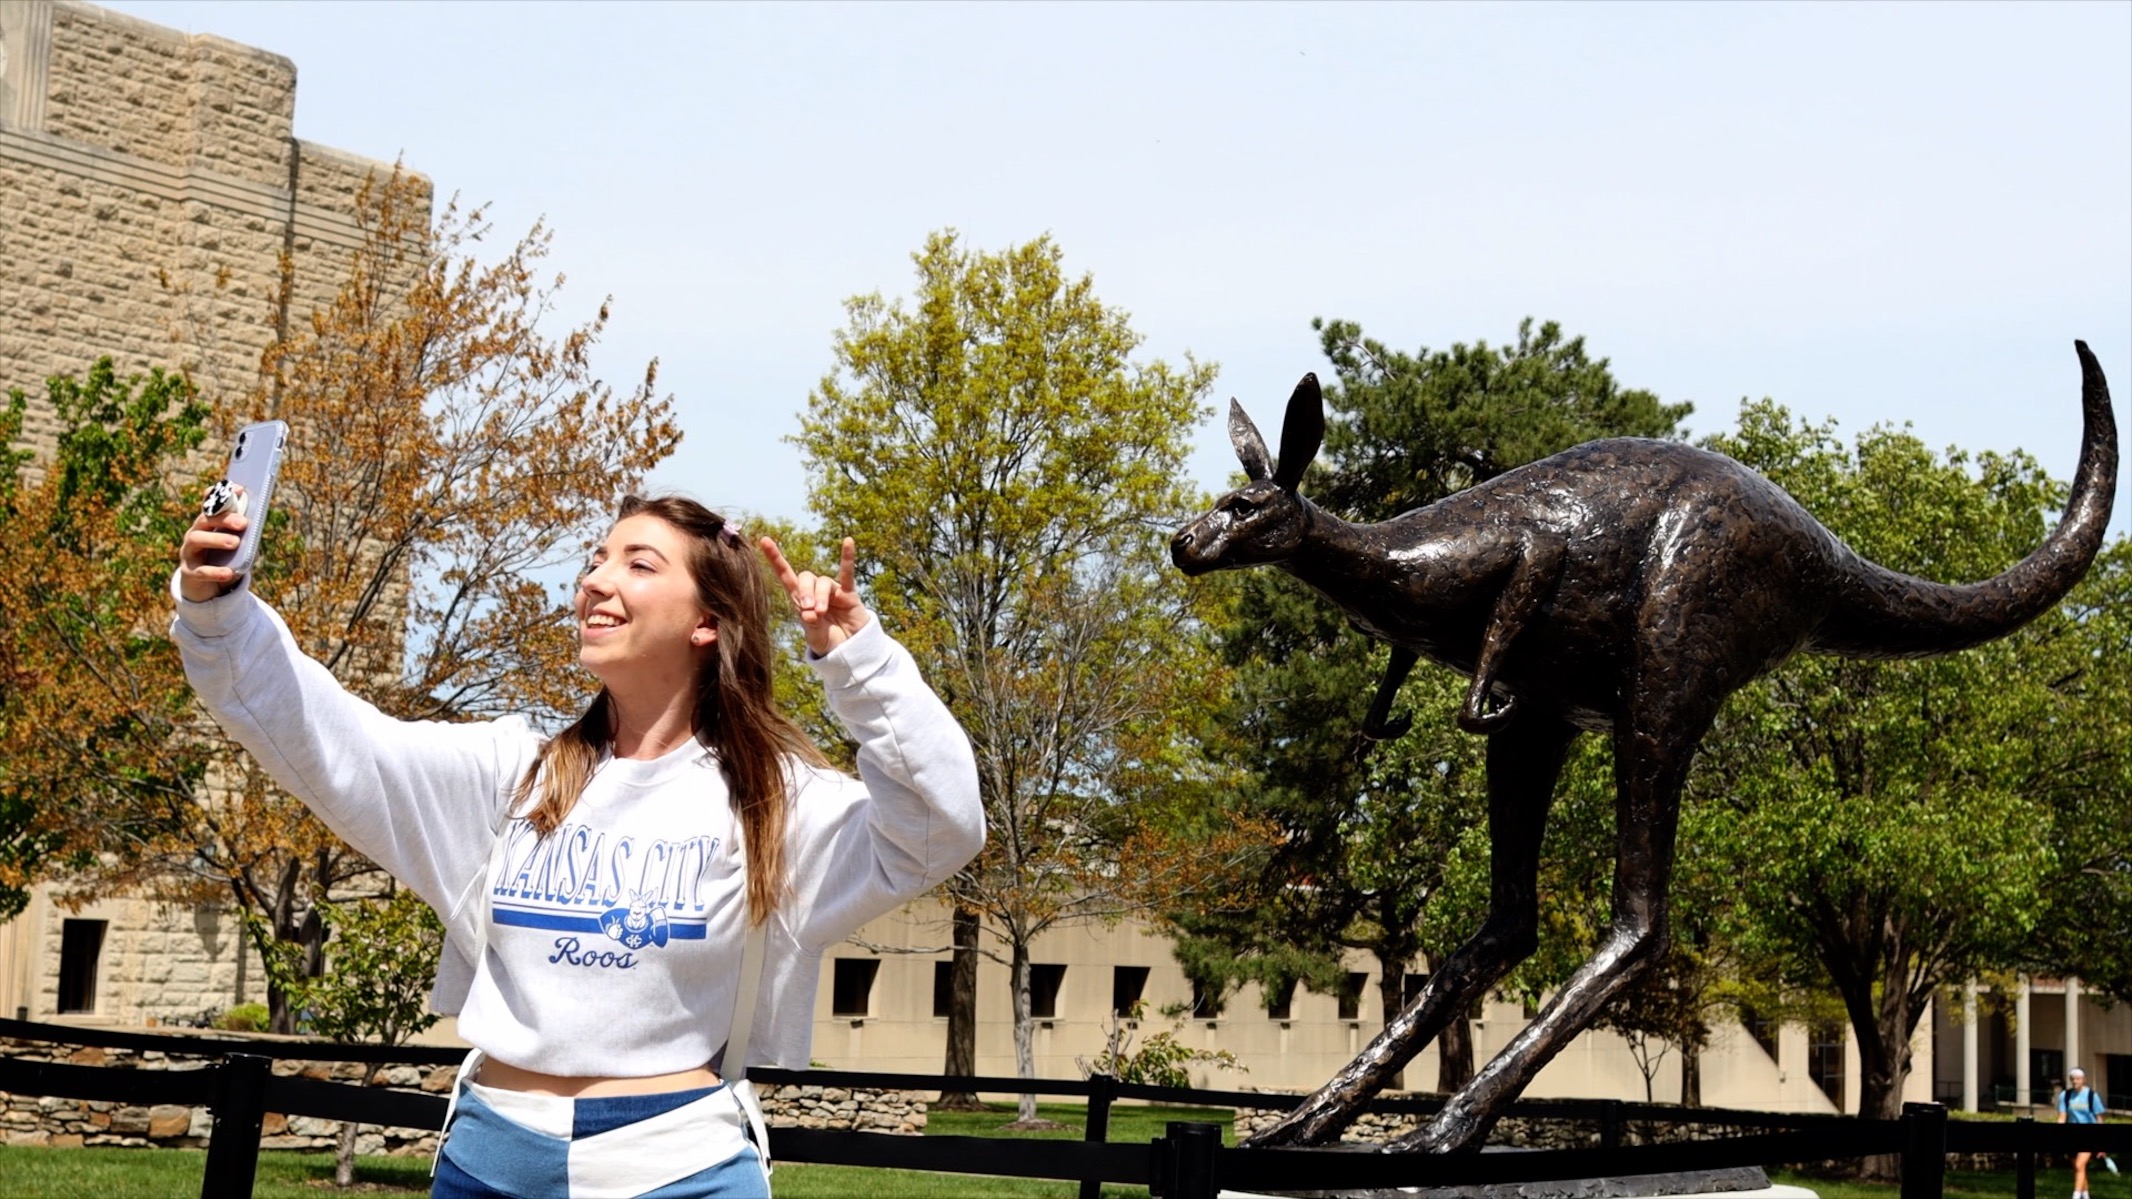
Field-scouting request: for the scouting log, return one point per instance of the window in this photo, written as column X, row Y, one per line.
column 853, row 987
column 2046, row 1073
column 1410, row 986
column 943, row 988
column 1127, row 985
column 1281, row 1000
column 1824, row 1060
column 1763, row 1031
column 1044, row 982
column 81, row 943
column 2115, row 1085
column 1207, row 1001
column 1351, row 996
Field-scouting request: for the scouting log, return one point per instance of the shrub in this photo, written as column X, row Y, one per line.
column 245, row 1017
column 1161, row 1061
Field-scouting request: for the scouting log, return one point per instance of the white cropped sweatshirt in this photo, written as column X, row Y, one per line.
column 616, row 941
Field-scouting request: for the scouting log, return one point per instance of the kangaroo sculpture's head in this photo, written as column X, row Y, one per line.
column 1264, row 520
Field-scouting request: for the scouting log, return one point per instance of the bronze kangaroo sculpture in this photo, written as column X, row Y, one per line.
column 1626, row 587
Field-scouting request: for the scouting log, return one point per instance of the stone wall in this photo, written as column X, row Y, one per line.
column 72, row 1123
column 854, row 1110
column 1374, row 1128
column 69, row 1123
column 1378, row 1128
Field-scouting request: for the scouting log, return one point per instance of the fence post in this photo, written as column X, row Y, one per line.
column 240, row 1113
column 1103, row 1089
column 1610, row 1124
column 2025, row 1160
column 1184, row 1161
column 1924, row 1133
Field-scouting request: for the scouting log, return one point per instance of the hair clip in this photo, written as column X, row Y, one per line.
column 223, row 497
column 731, row 533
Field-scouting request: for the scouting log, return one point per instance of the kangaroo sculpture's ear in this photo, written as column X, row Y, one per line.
column 1250, row 447
column 1301, row 432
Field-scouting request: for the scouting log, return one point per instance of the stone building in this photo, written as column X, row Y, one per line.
column 156, row 207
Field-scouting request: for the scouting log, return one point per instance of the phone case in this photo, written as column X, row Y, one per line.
column 254, row 461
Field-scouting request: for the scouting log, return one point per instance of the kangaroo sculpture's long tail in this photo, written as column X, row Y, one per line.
column 1880, row 613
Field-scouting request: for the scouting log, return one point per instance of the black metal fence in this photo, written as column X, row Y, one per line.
column 1188, row 1162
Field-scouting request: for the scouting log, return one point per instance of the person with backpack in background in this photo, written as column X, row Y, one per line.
column 2079, row 1104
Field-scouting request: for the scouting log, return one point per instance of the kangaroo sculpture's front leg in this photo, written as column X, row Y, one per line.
column 1531, row 580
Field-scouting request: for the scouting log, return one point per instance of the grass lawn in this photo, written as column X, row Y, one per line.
column 175, row 1173
column 2053, row 1181
column 1129, row 1124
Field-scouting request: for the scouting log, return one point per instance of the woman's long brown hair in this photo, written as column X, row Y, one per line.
column 736, row 714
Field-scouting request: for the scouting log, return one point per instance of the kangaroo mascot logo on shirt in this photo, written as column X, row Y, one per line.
column 639, row 923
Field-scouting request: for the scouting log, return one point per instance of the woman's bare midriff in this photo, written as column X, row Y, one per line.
column 513, row 1078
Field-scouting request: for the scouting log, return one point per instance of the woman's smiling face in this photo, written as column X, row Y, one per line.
column 638, row 610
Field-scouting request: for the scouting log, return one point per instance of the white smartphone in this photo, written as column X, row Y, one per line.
column 247, row 486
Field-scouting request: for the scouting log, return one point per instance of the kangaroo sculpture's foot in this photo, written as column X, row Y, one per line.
column 1449, row 1132
column 1475, row 717
column 1388, row 730
column 1323, row 1116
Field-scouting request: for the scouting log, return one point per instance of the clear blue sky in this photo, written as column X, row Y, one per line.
column 1892, row 212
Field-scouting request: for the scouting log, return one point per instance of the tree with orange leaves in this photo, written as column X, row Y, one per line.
column 92, row 699
column 448, row 458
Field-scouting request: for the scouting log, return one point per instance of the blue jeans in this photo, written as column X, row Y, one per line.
column 738, row 1178
column 488, row 1155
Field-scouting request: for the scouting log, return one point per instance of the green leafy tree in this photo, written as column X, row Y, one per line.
column 2086, row 927
column 1384, row 849
column 1011, row 474
column 1891, row 823
column 92, row 697
column 381, row 957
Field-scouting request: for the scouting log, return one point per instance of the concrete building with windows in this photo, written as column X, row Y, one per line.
column 2017, row 1054
column 882, row 1006
column 883, row 996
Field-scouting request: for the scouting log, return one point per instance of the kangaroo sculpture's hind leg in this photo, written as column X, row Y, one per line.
column 1671, row 696
column 1523, row 764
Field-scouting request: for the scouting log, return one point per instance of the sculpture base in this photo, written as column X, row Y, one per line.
column 1745, row 1182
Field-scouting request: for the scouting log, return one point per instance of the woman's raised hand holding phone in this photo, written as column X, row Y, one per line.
column 221, row 533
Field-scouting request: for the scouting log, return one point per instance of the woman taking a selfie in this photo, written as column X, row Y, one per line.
column 599, row 888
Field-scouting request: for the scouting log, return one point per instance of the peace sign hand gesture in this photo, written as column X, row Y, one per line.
column 830, row 610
